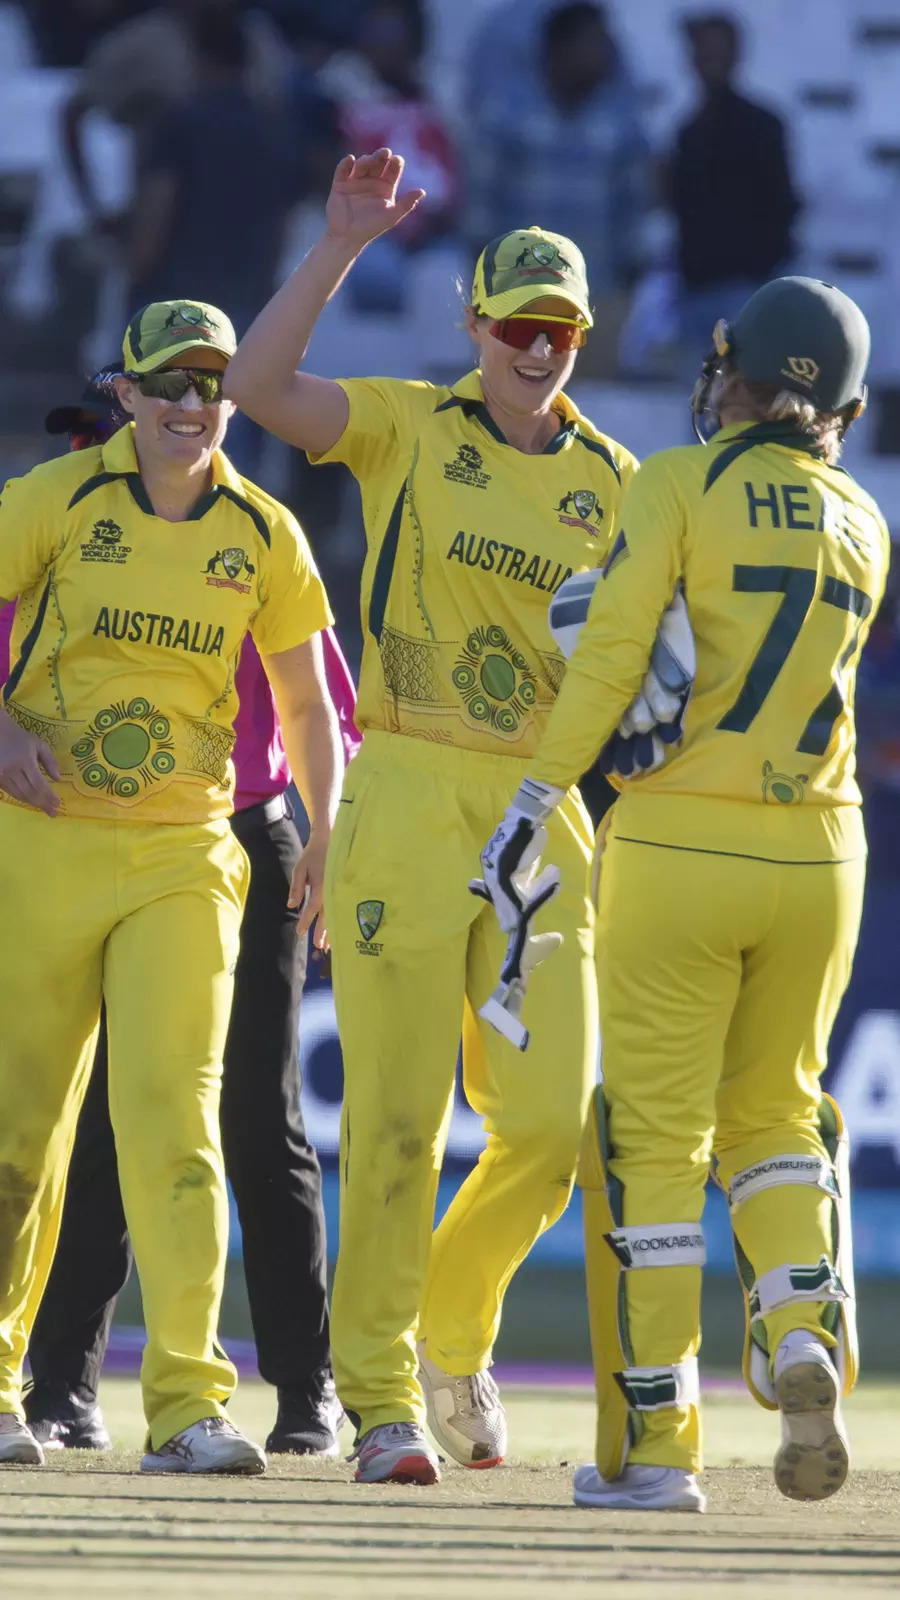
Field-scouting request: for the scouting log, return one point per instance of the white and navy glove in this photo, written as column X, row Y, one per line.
column 517, row 891
column 655, row 719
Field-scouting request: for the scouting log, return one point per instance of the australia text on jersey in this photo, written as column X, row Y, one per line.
column 508, row 561
column 156, row 628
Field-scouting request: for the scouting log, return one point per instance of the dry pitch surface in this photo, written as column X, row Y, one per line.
column 94, row 1527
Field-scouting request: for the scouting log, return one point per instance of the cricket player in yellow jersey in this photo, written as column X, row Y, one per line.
column 139, row 567
column 729, row 905
column 478, row 500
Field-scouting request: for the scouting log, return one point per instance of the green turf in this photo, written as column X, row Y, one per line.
column 557, row 1424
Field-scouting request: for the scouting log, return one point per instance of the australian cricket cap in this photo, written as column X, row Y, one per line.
column 169, row 328
column 527, row 265
column 804, row 335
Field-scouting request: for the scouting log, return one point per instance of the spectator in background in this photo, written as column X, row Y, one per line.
column 729, row 186
column 382, row 104
column 65, row 30
column 149, row 62
column 566, row 144
column 222, row 222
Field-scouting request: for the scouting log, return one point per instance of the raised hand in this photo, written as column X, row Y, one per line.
column 364, row 202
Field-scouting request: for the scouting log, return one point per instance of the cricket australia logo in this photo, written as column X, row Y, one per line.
column 188, row 319
column 588, row 514
column 105, row 544
column 233, row 562
column 468, row 468
column 368, row 917
column 545, row 256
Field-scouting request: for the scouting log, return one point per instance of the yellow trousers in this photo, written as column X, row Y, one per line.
column 412, row 948
column 147, row 916
column 719, row 981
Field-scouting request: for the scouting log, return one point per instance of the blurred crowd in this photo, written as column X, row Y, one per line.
column 236, row 113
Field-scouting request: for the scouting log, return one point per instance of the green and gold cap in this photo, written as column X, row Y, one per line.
column 168, row 328
column 526, row 265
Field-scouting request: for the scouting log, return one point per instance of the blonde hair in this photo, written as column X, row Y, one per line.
column 826, row 429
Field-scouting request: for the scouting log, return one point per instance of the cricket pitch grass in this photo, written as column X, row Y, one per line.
column 89, row 1525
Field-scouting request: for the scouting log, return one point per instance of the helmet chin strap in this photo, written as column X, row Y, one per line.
column 700, row 406
column 710, row 370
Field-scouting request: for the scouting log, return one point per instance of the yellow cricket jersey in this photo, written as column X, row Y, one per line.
column 783, row 561
column 467, row 540
column 129, row 627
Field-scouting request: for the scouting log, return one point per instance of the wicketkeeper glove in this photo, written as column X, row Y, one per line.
column 517, row 891
column 655, row 719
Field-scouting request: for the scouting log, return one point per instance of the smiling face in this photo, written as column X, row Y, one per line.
column 522, row 382
column 183, row 433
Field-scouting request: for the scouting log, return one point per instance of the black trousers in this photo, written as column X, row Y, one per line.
column 273, row 1170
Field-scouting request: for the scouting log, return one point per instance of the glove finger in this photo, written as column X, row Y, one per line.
column 662, row 702
column 477, row 886
column 643, row 752
column 640, row 714
column 530, row 858
column 538, row 949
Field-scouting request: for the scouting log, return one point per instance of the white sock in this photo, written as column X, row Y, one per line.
column 799, row 1345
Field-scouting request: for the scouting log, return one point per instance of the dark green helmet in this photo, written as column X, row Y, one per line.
column 804, row 335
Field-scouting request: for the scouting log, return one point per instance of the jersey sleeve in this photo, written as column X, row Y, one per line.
column 294, row 602
column 382, row 411
column 27, row 544
column 613, row 651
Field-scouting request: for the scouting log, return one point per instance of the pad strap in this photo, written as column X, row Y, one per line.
column 660, row 1244
column 782, row 1286
column 777, row 1170
column 660, row 1388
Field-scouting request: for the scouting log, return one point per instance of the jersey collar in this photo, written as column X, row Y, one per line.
column 469, row 395
column 119, row 460
column 739, row 437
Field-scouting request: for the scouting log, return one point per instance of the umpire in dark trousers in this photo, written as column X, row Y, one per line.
column 273, row 1170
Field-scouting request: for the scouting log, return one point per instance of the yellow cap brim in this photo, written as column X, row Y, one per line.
column 498, row 306
column 161, row 358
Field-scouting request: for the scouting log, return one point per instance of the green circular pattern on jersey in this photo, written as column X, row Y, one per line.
column 159, row 727
column 783, row 792
column 95, row 776
column 498, row 678
column 479, row 708
column 126, row 788
column 163, row 762
column 138, row 707
column 126, row 745
column 464, row 677
column 82, row 748
column 107, row 718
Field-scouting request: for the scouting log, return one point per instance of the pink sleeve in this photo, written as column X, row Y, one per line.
column 6, row 622
column 342, row 691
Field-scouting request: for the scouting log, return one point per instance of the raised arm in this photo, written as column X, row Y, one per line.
column 262, row 377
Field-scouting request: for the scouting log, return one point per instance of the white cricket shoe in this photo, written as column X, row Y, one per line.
column 639, row 1489
column 18, row 1446
column 465, row 1415
column 211, row 1445
column 395, row 1452
column 813, row 1459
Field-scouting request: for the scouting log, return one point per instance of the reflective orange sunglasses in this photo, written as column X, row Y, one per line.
column 563, row 333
